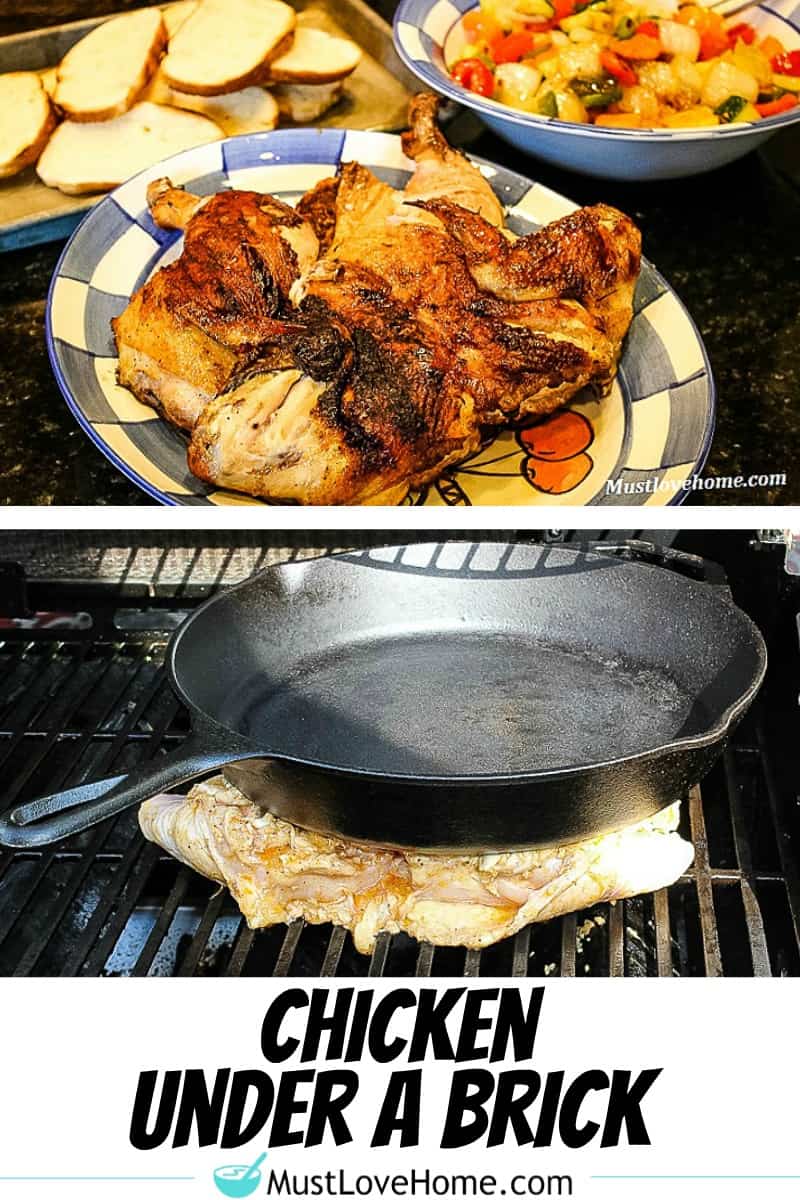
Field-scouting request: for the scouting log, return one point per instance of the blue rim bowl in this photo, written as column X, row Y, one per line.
column 421, row 31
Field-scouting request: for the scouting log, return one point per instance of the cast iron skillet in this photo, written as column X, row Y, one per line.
column 467, row 697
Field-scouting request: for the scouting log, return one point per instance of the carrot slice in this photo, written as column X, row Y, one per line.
column 640, row 47
column 619, row 120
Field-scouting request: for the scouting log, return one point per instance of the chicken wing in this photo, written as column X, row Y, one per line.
column 591, row 256
column 278, row 872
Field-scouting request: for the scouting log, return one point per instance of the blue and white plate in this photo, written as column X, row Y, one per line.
column 639, row 445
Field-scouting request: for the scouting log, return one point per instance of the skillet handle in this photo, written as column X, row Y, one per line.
column 693, row 566
column 50, row 818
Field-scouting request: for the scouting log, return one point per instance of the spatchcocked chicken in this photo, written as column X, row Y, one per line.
column 351, row 348
column 277, row 872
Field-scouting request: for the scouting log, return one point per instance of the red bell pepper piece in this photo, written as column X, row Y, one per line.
column 743, row 32
column 512, row 48
column 787, row 64
column 563, row 8
column 712, row 44
column 648, row 28
column 616, row 67
column 475, row 76
column 772, row 107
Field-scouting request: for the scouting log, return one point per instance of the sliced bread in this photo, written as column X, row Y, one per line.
column 176, row 15
column 227, row 45
column 304, row 102
column 27, row 121
column 103, row 74
column 248, row 111
column 315, row 57
column 93, row 157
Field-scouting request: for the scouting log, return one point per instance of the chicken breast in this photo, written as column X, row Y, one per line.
column 277, row 872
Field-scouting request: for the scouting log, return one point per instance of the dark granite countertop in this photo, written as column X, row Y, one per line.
column 728, row 242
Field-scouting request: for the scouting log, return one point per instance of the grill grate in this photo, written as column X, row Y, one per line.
column 108, row 903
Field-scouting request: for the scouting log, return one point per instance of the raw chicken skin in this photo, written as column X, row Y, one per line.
column 278, row 872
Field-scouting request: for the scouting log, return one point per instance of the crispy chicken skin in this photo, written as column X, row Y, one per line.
column 441, row 170
column 277, row 872
column 424, row 359
column 194, row 322
column 592, row 256
column 354, row 348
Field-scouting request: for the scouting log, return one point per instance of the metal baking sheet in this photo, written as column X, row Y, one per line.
column 376, row 97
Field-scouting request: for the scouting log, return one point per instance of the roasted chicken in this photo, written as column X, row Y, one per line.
column 277, row 872
column 188, row 328
column 351, row 349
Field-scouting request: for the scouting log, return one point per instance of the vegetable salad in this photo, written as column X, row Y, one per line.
column 652, row 64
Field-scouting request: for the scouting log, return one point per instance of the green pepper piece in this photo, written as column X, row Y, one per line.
column 603, row 99
column 547, row 105
column 626, row 27
column 597, row 93
column 729, row 109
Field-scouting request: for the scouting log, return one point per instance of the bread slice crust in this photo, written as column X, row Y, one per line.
column 30, row 144
column 315, row 57
column 203, row 82
column 81, row 95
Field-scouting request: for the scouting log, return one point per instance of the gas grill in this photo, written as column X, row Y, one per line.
column 85, row 620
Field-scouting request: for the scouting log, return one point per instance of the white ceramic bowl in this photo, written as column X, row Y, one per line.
column 421, row 32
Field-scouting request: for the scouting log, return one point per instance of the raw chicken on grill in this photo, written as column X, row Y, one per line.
column 351, row 378
column 277, row 872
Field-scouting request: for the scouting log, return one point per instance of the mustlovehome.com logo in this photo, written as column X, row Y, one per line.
column 239, row 1180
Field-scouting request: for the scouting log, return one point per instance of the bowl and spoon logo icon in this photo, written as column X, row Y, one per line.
column 239, row 1180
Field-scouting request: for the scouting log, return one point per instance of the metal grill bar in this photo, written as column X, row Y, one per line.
column 663, row 938
column 568, row 945
column 522, row 943
column 83, row 864
column 334, row 951
column 786, row 848
column 135, row 877
column 705, row 891
column 127, row 868
column 33, row 761
column 163, row 922
column 424, row 959
column 616, row 940
column 291, row 938
column 194, row 953
column 377, row 962
column 472, row 964
column 241, row 950
column 752, row 912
